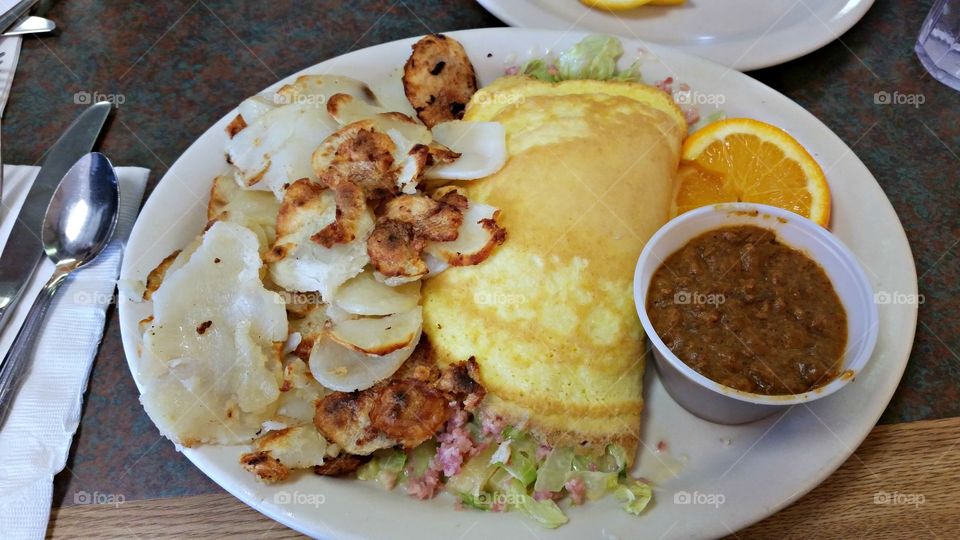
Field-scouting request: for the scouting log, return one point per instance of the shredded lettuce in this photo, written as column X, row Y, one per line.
column 594, row 57
column 541, row 69
column 474, row 474
column 545, row 512
column 385, row 468
column 596, row 483
column 522, row 464
column 553, row 473
column 634, row 494
column 619, row 456
column 505, row 476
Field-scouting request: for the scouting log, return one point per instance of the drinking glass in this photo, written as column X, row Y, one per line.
column 938, row 47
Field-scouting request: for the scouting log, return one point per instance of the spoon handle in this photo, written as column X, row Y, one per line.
column 17, row 360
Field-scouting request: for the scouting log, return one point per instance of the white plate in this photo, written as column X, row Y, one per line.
column 756, row 469
column 742, row 34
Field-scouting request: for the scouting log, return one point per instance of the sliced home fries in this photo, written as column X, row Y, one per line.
column 307, row 279
column 299, row 264
column 255, row 210
column 482, row 147
column 210, row 366
column 344, row 369
column 275, row 149
column 478, row 235
column 378, row 336
column 346, row 109
column 364, row 295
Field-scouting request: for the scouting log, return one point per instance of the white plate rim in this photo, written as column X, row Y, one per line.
column 207, row 459
column 766, row 52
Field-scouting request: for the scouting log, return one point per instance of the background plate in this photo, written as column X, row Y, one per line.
column 711, row 479
column 743, row 34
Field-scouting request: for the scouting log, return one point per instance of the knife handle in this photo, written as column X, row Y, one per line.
column 9, row 294
column 17, row 361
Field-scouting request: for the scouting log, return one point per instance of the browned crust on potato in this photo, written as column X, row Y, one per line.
column 340, row 465
column 422, row 364
column 351, row 206
column 265, row 467
column 395, row 250
column 299, row 194
column 404, row 410
column 498, row 235
column 360, row 154
column 439, row 79
column 339, row 415
column 155, row 277
column 236, row 125
column 407, row 223
column 436, row 220
column 441, row 155
column 337, row 102
column 217, row 201
column 409, row 411
column 461, row 382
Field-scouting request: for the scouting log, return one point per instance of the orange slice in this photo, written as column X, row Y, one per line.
column 744, row 160
column 614, row 5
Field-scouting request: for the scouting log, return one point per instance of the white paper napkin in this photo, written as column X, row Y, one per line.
column 10, row 47
column 35, row 440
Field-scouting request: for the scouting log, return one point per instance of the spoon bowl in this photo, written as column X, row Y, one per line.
column 82, row 213
column 78, row 224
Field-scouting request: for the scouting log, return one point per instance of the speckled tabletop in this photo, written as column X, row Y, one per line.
column 178, row 66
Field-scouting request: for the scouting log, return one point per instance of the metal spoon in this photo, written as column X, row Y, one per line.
column 78, row 224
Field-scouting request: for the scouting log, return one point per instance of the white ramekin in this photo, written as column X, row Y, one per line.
column 718, row 403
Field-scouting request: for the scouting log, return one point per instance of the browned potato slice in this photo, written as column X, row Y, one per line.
column 438, row 79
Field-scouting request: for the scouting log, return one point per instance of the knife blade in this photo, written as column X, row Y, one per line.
column 15, row 12
column 23, row 251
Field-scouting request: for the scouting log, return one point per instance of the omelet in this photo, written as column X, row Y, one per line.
column 549, row 317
